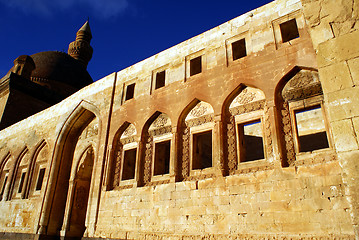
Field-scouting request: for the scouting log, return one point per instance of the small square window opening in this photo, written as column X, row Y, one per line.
column 130, row 90
column 196, row 65
column 289, row 30
column 160, row 79
column 239, row 49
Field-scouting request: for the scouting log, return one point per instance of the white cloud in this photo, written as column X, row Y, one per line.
column 98, row 8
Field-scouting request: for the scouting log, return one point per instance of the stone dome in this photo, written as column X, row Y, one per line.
column 53, row 69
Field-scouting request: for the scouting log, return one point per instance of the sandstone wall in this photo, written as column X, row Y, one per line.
column 287, row 194
column 334, row 31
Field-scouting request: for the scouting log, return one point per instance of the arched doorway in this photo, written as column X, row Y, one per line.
column 78, row 195
column 66, row 181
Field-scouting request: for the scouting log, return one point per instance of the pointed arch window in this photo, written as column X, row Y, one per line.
column 305, row 129
column 157, row 136
column 5, row 167
column 247, row 130
column 124, row 158
column 196, row 129
column 20, row 172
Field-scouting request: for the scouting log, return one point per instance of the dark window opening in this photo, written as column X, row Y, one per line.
column 311, row 129
column 162, row 158
column 251, row 141
column 289, row 30
column 130, row 91
column 196, row 65
column 129, row 164
column 202, row 150
column 40, row 179
column 239, row 49
column 3, row 187
column 21, row 184
column 160, row 79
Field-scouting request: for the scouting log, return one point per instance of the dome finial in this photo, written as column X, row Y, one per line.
column 80, row 49
column 86, row 27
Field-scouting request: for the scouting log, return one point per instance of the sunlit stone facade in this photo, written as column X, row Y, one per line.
column 247, row 131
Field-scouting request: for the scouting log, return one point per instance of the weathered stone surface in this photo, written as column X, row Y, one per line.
column 107, row 176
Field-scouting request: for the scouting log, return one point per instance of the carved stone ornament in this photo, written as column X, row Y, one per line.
column 161, row 121
column 130, row 131
column 246, row 96
column 201, row 109
column 303, row 85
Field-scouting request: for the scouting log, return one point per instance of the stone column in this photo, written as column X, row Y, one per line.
column 173, row 155
column 272, row 133
column 139, row 163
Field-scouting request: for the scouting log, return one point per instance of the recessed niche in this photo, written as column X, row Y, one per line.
column 162, row 158
column 251, row 141
column 40, row 179
column 289, row 30
column 130, row 91
column 160, row 79
column 195, row 65
column 239, row 49
column 129, row 164
column 202, row 150
column 311, row 129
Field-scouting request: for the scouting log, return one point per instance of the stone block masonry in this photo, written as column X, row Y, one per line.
column 225, row 144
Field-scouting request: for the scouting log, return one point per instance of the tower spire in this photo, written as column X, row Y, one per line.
column 81, row 49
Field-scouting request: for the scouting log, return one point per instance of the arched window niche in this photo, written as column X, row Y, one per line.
column 305, row 131
column 157, row 141
column 20, row 172
column 124, row 158
column 38, row 170
column 196, row 129
column 247, row 131
column 5, row 167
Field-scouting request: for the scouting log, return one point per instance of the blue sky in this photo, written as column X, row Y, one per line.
column 124, row 31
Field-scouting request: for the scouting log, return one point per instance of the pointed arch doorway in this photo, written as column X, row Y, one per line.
column 63, row 214
column 78, row 196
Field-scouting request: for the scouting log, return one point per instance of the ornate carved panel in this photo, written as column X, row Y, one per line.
column 268, row 132
column 231, row 146
column 304, row 84
column 200, row 110
column 287, row 132
column 185, row 154
column 148, row 159
column 246, row 96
